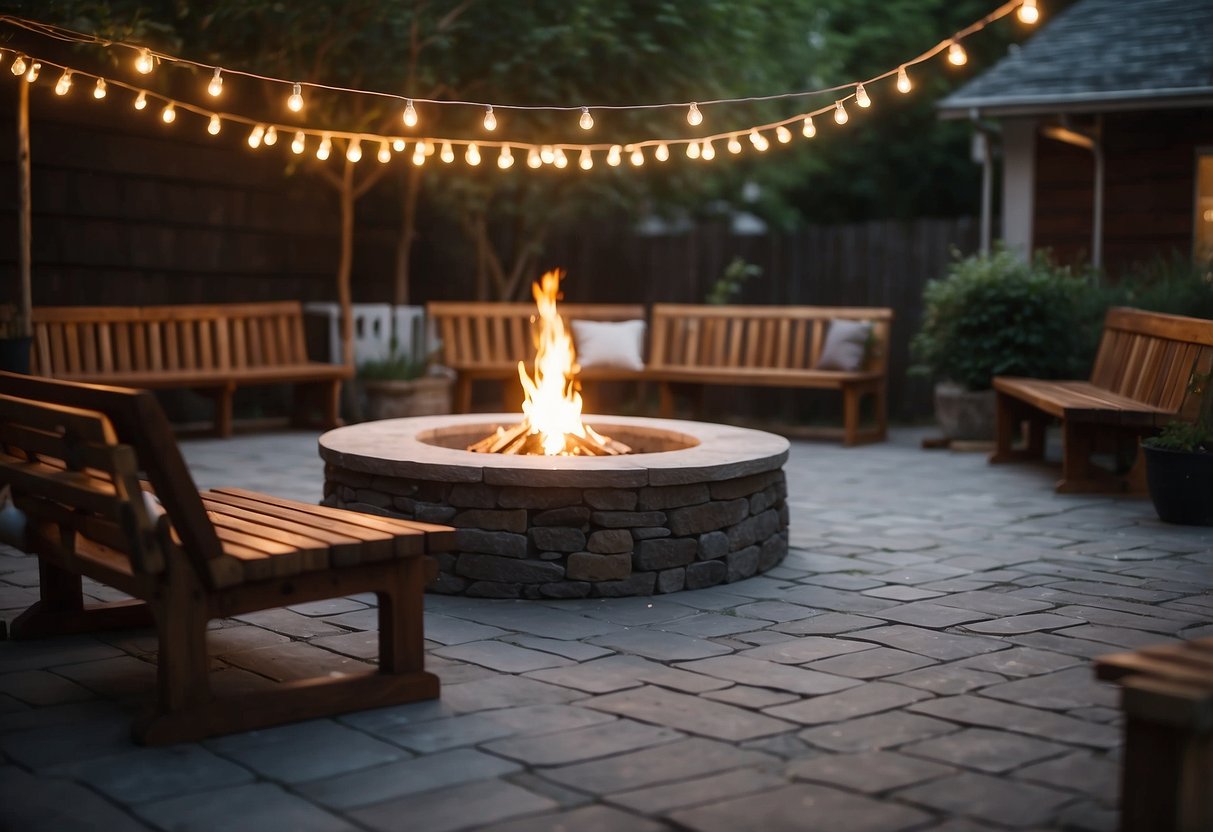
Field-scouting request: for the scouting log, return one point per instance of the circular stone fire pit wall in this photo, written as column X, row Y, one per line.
column 700, row 505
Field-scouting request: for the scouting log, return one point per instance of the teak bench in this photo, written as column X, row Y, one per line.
column 1167, row 697
column 1138, row 384
column 760, row 346
column 210, row 348
column 73, row 455
column 485, row 341
column 769, row 346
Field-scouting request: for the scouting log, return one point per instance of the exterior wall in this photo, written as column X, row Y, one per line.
column 1150, row 185
column 1019, row 174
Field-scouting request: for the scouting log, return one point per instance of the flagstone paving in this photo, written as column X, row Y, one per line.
column 920, row 661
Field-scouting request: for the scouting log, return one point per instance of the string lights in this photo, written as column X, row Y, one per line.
column 536, row 155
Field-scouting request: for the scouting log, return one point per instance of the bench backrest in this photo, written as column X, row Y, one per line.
column 489, row 335
column 91, row 340
column 1150, row 356
column 117, row 434
column 756, row 337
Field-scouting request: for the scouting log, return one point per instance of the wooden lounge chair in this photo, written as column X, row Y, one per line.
column 74, row 455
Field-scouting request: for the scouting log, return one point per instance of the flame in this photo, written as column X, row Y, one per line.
column 552, row 404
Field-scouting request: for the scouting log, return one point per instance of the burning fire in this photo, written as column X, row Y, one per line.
column 551, row 423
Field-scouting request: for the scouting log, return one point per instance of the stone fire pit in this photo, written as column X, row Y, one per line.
column 697, row 505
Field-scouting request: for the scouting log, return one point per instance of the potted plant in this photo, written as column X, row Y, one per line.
column 398, row 386
column 1179, row 463
column 994, row 315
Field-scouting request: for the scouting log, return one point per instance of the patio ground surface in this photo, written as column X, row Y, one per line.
column 920, row 661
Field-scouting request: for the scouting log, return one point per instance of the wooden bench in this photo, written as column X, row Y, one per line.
column 73, row 454
column 485, row 341
column 1167, row 697
column 213, row 349
column 769, row 346
column 1138, row 384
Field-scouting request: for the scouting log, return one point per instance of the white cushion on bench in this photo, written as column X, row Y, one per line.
column 617, row 344
column 845, row 346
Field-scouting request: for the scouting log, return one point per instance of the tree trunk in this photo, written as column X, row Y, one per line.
column 408, row 234
column 346, row 263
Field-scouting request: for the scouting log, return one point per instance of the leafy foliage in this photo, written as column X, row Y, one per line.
column 998, row 315
column 395, row 367
column 728, row 287
column 1195, row 436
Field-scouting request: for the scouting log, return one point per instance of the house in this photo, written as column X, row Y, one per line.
column 1104, row 124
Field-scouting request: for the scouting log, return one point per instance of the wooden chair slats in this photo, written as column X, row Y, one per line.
column 71, row 452
column 1138, row 383
column 211, row 348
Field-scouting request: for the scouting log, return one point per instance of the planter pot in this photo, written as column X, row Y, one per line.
column 14, row 354
column 1181, row 485
column 392, row 399
column 963, row 414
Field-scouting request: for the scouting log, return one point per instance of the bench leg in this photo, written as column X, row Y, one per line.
column 665, row 393
column 401, row 631
column 1010, row 417
column 223, row 411
column 61, row 610
column 1165, row 779
column 850, row 415
column 463, row 394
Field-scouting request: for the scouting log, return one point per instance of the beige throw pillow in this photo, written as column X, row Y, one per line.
column 618, row 344
column 846, row 345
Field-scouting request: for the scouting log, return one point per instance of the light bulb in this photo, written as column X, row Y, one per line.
column 271, row 136
column 64, row 83
column 661, row 153
column 448, row 154
column 708, row 153
column 34, row 69
column 429, row 148
column 214, row 126
column 1028, row 13
column 410, row 114
column 532, row 158
column 810, row 129
column 472, row 156
column 298, row 143
column 168, row 114
column 957, row 55
column 637, row 157
column 419, row 154
column 694, row 117
column 255, row 136
column 755, row 138
column 840, row 113
column 295, row 102
column 586, row 161
column 861, row 97
column 506, row 160
column 490, row 120
column 144, row 63
column 141, row 100
column 783, row 134
column 215, row 87
column 693, row 150
column 325, row 148
column 586, row 121
column 398, row 145
column 734, row 145
column 560, row 160
column 546, row 154
column 613, row 155
column 903, row 81
column 385, row 153
column 99, row 90
column 353, row 151
column 18, row 67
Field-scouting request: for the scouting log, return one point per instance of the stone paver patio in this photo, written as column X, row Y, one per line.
column 920, row 661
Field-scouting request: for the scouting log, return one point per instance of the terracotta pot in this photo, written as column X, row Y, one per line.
column 1181, row 485
column 394, row 399
column 964, row 414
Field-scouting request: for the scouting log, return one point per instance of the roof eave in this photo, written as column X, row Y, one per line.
column 1100, row 102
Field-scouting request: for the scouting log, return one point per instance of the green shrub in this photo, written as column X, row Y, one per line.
column 395, row 367
column 998, row 315
column 1166, row 284
column 728, row 287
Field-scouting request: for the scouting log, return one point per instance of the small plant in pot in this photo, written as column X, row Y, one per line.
column 995, row 314
column 1179, row 464
column 398, row 386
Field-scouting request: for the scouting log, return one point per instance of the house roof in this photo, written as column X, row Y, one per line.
column 1101, row 55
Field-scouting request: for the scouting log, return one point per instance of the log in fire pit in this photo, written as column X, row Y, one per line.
column 551, row 506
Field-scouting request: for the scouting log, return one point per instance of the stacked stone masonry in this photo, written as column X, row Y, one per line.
column 560, row 542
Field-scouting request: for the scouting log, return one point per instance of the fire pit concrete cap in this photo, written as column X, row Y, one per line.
column 405, row 448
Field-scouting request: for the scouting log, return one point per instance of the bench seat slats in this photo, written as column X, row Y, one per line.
column 1082, row 400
